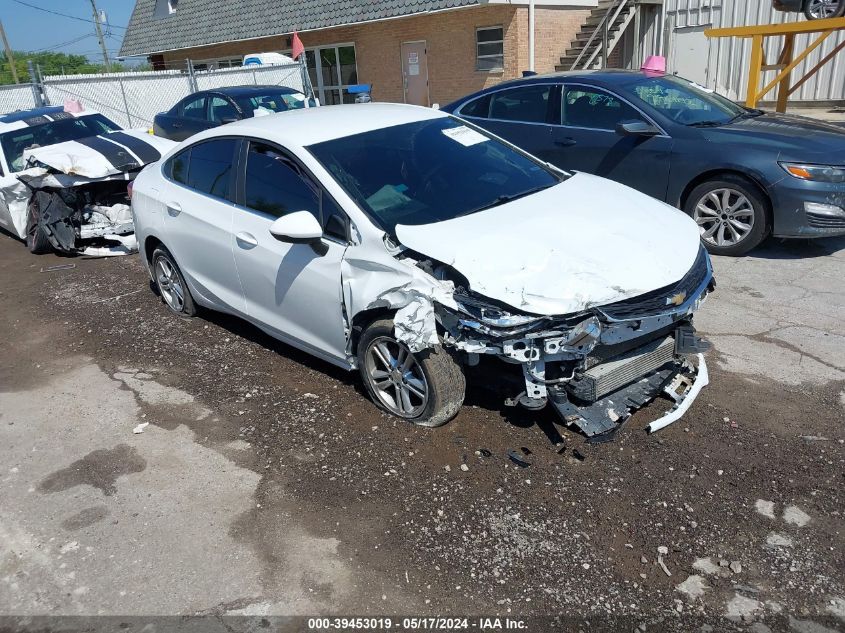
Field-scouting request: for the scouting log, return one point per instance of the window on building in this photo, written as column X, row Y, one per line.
column 164, row 8
column 490, row 48
column 526, row 103
column 332, row 70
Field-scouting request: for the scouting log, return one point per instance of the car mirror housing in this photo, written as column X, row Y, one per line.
column 636, row 128
column 229, row 119
column 299, row 227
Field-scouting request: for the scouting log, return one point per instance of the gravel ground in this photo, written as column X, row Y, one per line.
column 266, row 483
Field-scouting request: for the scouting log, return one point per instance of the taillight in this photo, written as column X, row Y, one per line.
column 129, row 189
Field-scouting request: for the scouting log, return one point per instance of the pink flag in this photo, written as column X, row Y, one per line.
column 296, row 46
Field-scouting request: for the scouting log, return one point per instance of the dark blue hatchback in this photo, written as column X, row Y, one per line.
column 742, row 174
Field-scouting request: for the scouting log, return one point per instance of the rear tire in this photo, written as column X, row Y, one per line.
column 389, row 369
column 170, row 283
column 36, row 238
column 819, row 9
column 732, row 214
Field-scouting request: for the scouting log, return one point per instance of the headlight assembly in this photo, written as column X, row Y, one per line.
column 816, row 173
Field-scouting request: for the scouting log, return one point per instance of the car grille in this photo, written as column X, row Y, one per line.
column 660, row 301
column 819, row 221
column 613, row 374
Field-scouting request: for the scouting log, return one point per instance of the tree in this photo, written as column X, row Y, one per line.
column 51, row 64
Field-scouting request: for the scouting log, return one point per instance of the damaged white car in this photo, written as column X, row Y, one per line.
column 402, row 242
column 63, row 179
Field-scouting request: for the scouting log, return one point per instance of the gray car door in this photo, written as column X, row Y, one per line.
column 584, row 138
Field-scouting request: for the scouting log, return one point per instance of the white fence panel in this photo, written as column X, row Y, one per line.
column 130, row 99
column 17, row 97
column 289, row 75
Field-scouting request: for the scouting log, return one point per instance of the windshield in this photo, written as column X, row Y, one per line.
column 685, row 102
column 429, row 171
column 69, row 128
column 273, row 101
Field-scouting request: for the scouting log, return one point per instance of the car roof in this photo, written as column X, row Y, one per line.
column 308, row 126
column 605, row 77
column 23, row 118
column 240, row 91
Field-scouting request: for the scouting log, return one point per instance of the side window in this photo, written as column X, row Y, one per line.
column 194, row 109
column 210, row 167
column 480, row 108
column 177, row 167
column 275, row 186
column 222, row 110
column 593, row 108
column 528, row 104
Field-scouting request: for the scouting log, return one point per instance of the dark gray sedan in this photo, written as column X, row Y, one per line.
column 742, row 174
column 210, row 108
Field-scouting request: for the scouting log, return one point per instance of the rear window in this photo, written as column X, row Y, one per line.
column 67, row 128
column 271, row 101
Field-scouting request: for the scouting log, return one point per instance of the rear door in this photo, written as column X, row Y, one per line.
column 292, row 289
column 521, row 115
column 586, row 140
column 191, row 117
column 199, row 197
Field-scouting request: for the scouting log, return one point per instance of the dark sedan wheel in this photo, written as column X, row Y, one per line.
column 426, row 388
column 820, row 9
column 171, row 284
column 731, row 213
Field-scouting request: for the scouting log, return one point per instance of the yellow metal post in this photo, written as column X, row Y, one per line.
column 754, row 71
column 785, row 59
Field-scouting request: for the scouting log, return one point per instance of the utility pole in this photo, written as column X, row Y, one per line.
column 100, row 35
column 9, row 57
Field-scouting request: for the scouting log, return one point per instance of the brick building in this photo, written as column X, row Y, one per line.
column 416, row 51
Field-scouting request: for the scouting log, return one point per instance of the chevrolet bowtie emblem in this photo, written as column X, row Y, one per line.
column 676, row 300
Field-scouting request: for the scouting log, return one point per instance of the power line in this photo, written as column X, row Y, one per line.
column 68, row 43
column 65, row 15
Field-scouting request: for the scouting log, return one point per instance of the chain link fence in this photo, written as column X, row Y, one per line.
column 132, row 99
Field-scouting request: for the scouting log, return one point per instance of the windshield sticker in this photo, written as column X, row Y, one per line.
column 465, row 136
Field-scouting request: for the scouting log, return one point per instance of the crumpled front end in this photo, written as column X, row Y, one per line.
column 598, row 366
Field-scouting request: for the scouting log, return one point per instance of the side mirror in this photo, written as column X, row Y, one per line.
column 636, row 128
column 299, row 227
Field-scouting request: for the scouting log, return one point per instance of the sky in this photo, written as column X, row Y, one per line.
column 29, row 29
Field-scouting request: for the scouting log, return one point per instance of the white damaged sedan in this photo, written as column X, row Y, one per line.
column 418, row 249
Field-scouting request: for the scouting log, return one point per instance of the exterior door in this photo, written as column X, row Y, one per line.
column 586, row 140
column 415, row 73
column 690, row 54
column 198, row 219
column 292, row 289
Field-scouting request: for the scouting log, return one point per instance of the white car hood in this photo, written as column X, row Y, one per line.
column 585, row 242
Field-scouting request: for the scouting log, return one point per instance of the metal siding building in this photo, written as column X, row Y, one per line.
column 722, row 63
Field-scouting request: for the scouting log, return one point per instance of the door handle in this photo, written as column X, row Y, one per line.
column 177, row 124
column 245, row 240
column 174, row 209
column 566, row 142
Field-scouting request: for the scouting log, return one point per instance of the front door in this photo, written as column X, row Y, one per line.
column 415, row 73
column 586, row 140
column 292, row 289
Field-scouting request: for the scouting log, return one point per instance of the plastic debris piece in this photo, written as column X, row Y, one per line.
column 51, row 269
column 578, row 455
column 518, row 459
column 140, row 428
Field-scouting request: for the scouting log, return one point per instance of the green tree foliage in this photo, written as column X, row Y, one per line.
column 51, row 64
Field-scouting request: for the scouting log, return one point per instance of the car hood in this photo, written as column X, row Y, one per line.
column 585, row 242
column 103, row 155
column 795, row 137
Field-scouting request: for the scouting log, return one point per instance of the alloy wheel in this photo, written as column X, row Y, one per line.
column 820, row 9
column 170, row 284
column 724, row 216
column 396, row 377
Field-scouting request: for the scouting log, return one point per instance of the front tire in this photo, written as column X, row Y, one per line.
column 171, row 284
column 732, row 214
column 820, row 9
column 36, row 238
column 426, row 387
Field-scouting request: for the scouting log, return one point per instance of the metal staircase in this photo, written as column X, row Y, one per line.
column 599, row 35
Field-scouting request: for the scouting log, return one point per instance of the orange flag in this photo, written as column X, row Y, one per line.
column 296, row 46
